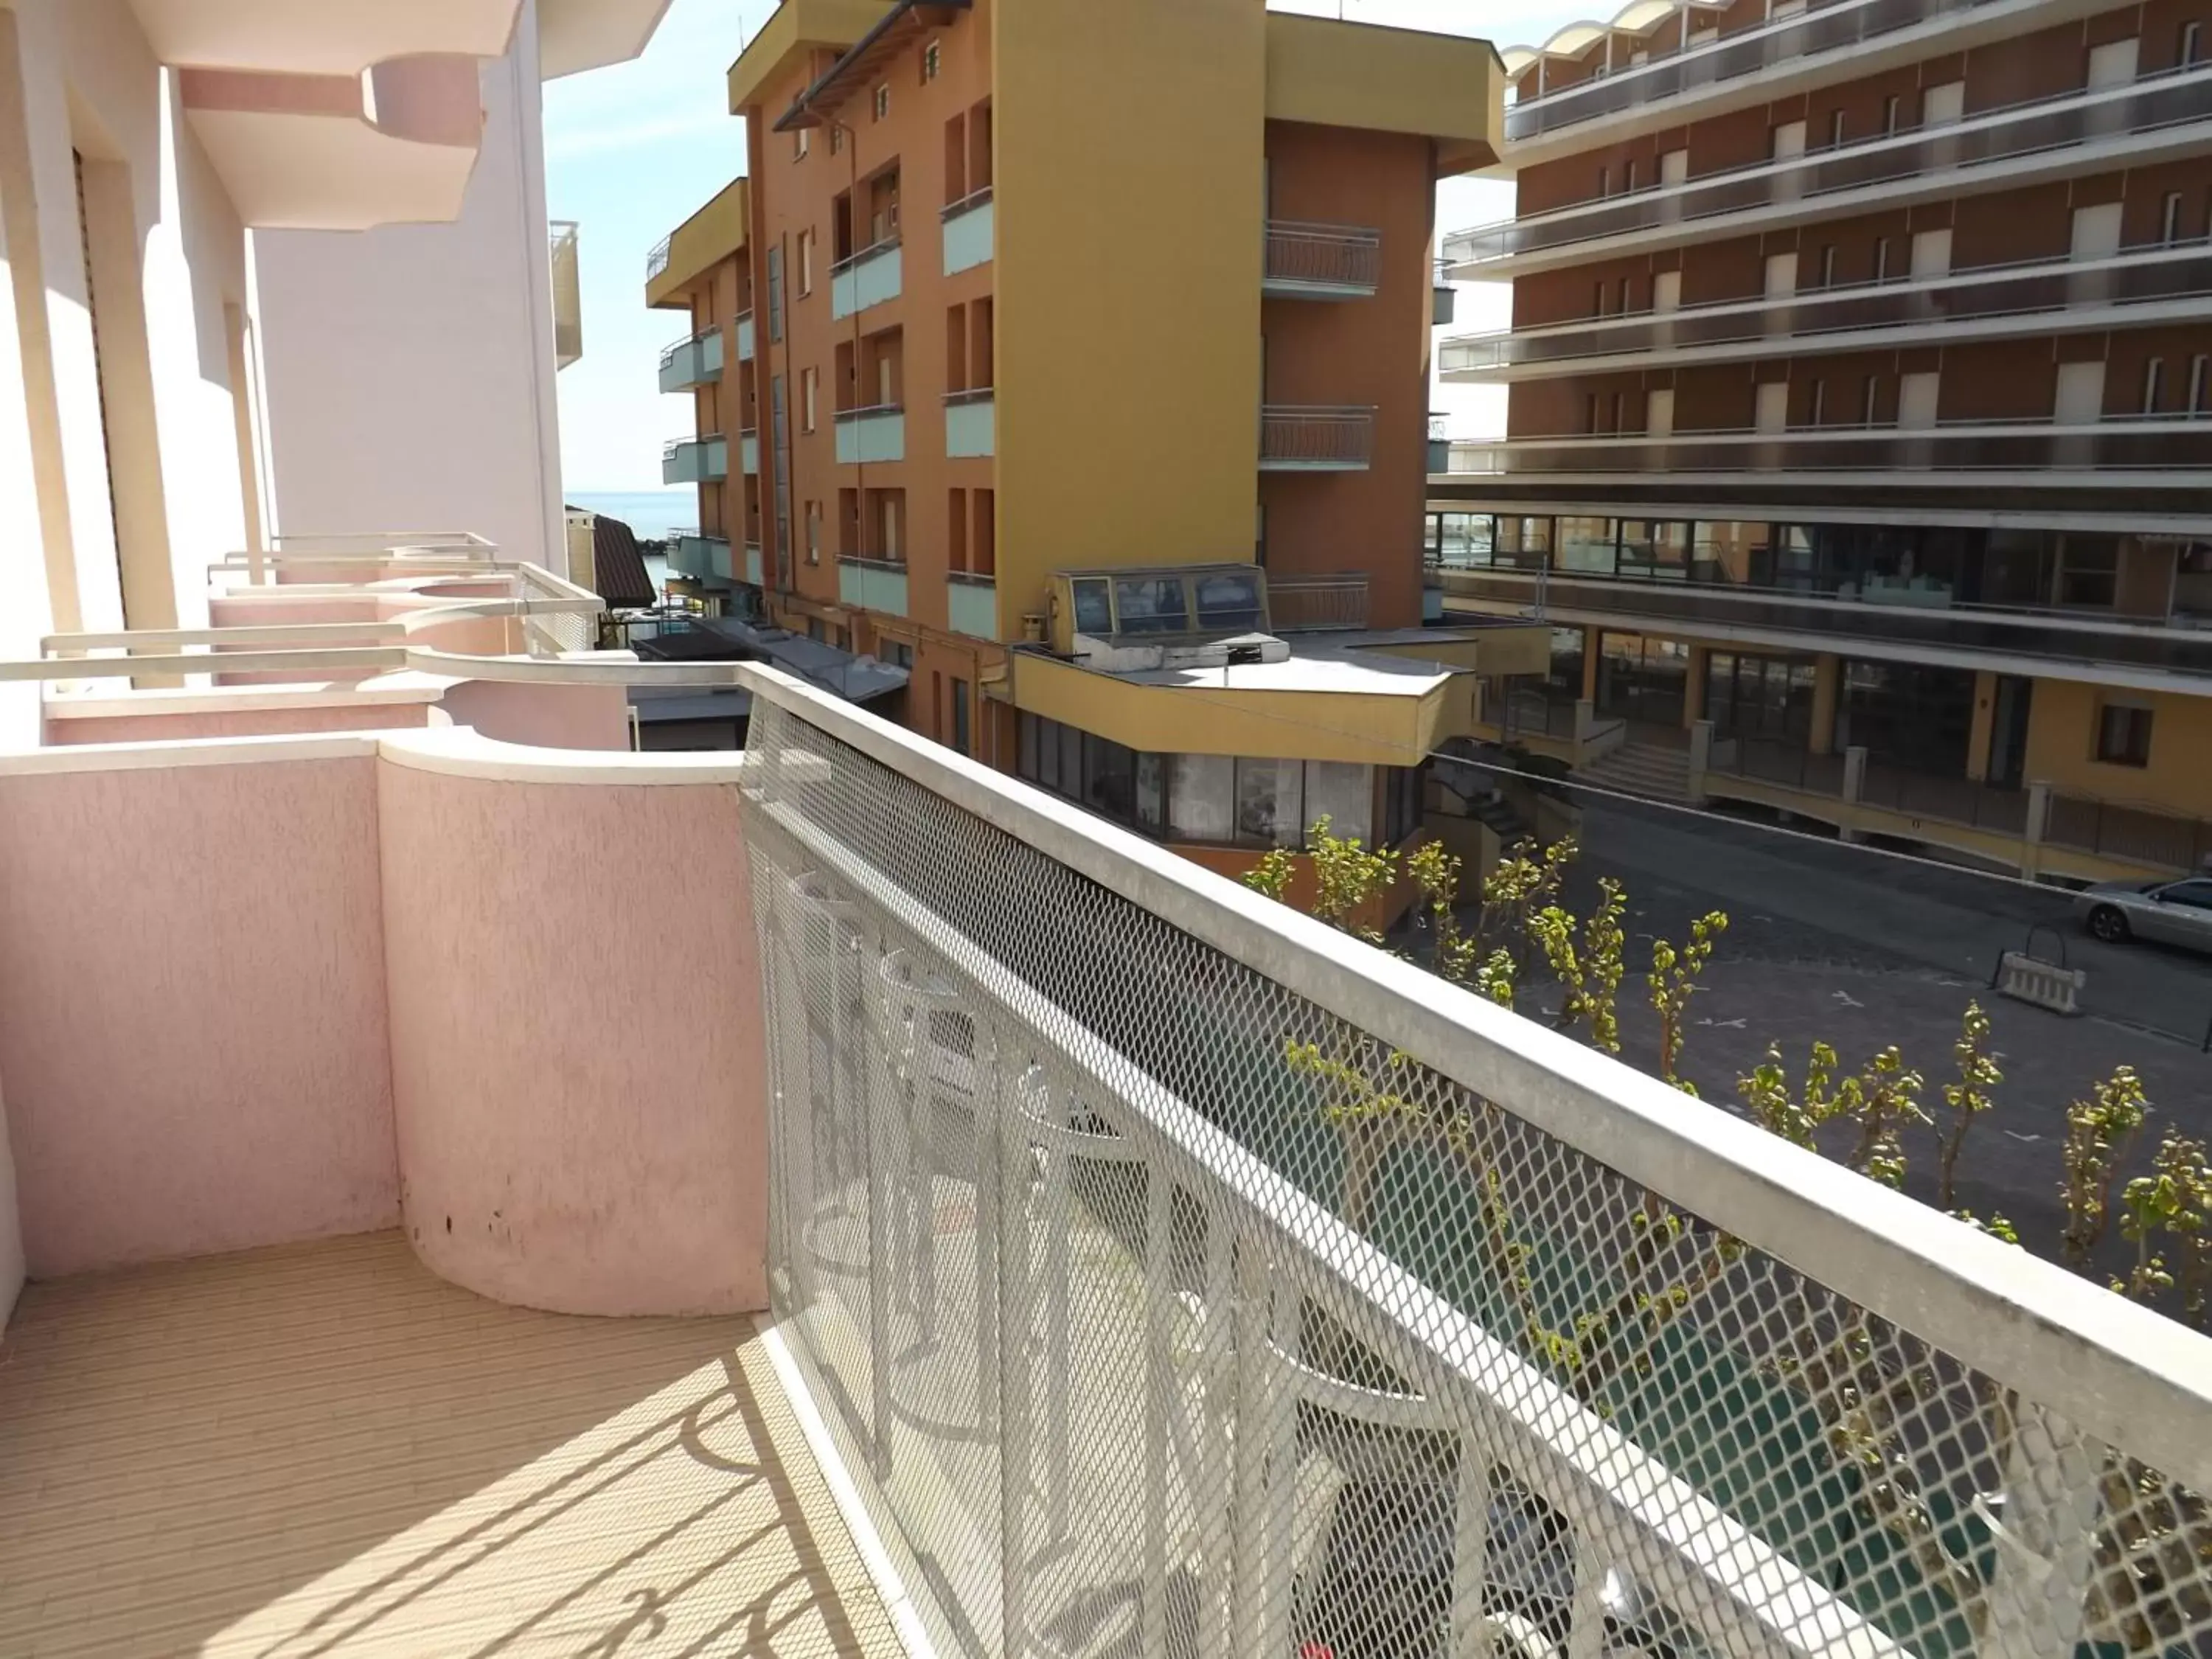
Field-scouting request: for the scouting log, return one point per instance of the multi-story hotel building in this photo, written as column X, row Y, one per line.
column 1121, row 456
column 1861, row 405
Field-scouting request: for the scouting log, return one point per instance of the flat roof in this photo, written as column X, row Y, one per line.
column 1345, row 670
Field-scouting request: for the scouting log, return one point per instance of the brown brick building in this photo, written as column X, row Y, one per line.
column 1861, row 405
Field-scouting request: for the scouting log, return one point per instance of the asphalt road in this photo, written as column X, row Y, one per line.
column 1863, row 950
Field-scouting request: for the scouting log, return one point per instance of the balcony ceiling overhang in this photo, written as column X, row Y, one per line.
column 709, row 236
column 855, row 70
column 796, row 29
column 301, row 152
column 574, row 35
column 325, row 37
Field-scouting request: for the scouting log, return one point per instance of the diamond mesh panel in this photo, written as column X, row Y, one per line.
column 1161, row 1311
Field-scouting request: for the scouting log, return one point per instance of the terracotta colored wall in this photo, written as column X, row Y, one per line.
column 553, row 716
column 580, row 1098
column 236, row 723
column 193, row 1009
column 1371, row 351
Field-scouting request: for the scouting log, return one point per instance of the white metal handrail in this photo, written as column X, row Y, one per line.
column 982, row 1003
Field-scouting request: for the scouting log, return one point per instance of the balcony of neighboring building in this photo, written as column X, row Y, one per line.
column 695, row 359
column 676, row 264
column 871, row 435
column 703, row 459
column 702, row 558
column 869, row 278
column 2119, row 121
column 872, row 584
column 972, row 423
column 1320, row 261
column 567, row 295
column 1658, row 64
column 1317, row 437
column 989, row 1270
column 969, row 231
column 744, row 333
column 2150, row 284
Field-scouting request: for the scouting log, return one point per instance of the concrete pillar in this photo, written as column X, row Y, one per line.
column 1693, row 686
column 1591, row 638
column 1827, row 686
column 1977, row 743
column 1854, row 763
column 2039, row 828
column 1701, row 759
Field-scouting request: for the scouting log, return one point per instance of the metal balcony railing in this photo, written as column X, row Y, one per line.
column 2127, row 832
column 1836, row 27
column 695, row 359
column 1299, row 605
column 656, row 260
column 2146, row 449
column 2054, row 293
column 1940, row 157
column 1321, row 259
column 1317, row 437
column 1182, row 1276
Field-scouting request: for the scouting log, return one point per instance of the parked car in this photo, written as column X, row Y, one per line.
column 2170, row 911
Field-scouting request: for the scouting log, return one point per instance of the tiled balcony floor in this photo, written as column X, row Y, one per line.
column 323, row 1449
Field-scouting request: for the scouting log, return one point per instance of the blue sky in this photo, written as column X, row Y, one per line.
column 632, row 149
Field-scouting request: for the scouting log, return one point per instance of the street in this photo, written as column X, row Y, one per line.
column 1863, row 950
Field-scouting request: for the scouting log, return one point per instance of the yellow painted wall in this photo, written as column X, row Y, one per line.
column 1128, row 202
column 1371, row 729
column 1507, row 650
column 1335, row 74
column 794, row 26
column 2062, row 740
column 695, row 247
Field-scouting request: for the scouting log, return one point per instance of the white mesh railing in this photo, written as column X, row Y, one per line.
column 1182, row 1278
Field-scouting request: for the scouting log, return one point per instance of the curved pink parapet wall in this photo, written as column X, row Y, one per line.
column 340, row 714
column 551, row 716
column 578, row 1088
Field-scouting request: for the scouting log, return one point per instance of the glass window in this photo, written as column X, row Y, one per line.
column 1228, row 599
column 1094, row 607
column 1109, row 778
column 2088, row 569
column 1344, row 793
column 1048, row 756
column 1269, row 804
column 1731, row 550
column 960, row 732
column 1401, row 805
column 1201, row 797
column 1152, row 813
column 1070, row 762
column 2196, row 895
column 1151, row 604
column 2017, row 567
column 2124, row 734
column 1655, row 549
column 1025, row 762
column 1586, row 546
column 1913, row 716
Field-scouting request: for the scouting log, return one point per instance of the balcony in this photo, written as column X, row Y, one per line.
column 971, row 605
column 969, row 229
column 748, row 452
column 695, row 360
column 2157, row 118
column 971, row 424
column 1316, row 437
column 1030, row 1139
column 701, row 558
column 2149, row 283
column 871, row 584
column 1814, row 40
column 868, row 436
column 1297, row 605
column 2162, row 452
column 694, row 460
column 567, row 295
column 868, row 278
column 1320, row 262
column 753, row 574
column 745, row 336
column 1937, row 628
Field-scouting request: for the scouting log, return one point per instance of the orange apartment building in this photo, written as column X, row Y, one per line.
column 1072, row 344
column 1861, row 409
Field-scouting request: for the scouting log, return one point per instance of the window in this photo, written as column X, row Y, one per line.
column 1094, row 607
column 1828, row 265
column 1271, row 801
column 1597, row 298
column 1151, row 794
column 810, row 388
column 2124, row 734
column 900, row 654
column 1229, row 600
column 805, row 262
column 932, row 61
column 814, row 532
column 1344, row 793
column 2198, row 388
column 1836, row 130
column 2195, row 895
column 956, row 529
column 1624, row 292
column 1889, row 110
column 1882, row 258
column 2169, row 230
column 1628, row 177
column 884, row 102
column 960, row 732
column 1871, row 401
column 2191, row 46
column 837, row 138
column 2088, row 569
column 802, row 141
column 1817, row 403
column 2154, row 384
column 1151, row 604
column 1605, row 181
column 1201, row 797
column 775, row 293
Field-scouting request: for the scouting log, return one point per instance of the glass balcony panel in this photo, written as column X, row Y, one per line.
column 868, row 278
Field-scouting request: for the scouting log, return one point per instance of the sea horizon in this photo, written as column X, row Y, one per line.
column 650, row 513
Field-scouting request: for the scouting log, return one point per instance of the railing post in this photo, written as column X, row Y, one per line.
column 1701, row 759
column 1855, row 765
column 2037, row 829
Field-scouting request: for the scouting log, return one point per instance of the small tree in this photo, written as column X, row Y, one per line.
column 2098, row 1133
column 1675, row 976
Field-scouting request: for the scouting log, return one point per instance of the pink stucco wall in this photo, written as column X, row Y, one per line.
column 235, row 723
column 192, row 1015
column 549, row 716
column 575, row 1132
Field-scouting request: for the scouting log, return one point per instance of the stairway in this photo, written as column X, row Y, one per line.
column 1656, row 770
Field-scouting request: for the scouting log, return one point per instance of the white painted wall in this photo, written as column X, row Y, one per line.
column 409, row 370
